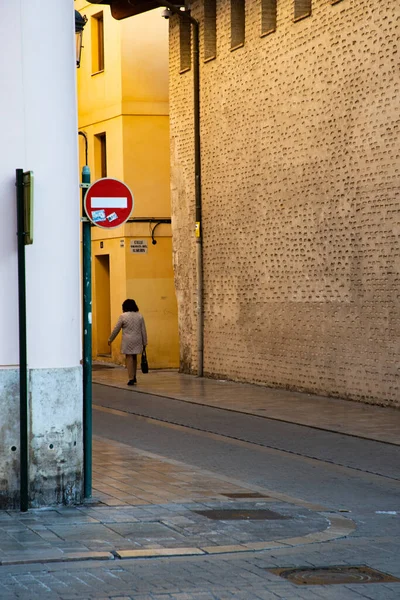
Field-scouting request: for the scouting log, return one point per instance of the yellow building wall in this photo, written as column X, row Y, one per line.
column 99, row 93
column 108, row 290
column 147, row 172
column 150, row 282
column 113, row 128
column 144, row 62
column 128, row 101
column 148, row 279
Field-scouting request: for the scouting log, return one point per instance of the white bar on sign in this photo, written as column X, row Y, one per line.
column 109, row 202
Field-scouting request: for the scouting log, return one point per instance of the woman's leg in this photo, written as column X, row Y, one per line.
column 129, row 366
column 134, row 366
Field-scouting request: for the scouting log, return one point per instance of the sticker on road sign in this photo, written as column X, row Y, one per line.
column 98, row 215
column 112, row 217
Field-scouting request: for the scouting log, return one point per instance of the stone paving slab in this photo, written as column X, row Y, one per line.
column 155, row 534
column 331, row 414
column 117, row 527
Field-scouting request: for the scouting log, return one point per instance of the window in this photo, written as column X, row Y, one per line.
column 237, row 23
column 97, row 23
column 185, row 31
column 210, row 29
column 302, row 9
column 268, row 16
column 100, row 155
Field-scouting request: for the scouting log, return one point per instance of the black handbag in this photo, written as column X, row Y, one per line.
column 144, row 365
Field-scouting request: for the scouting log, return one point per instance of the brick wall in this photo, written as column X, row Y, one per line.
column 301, row 207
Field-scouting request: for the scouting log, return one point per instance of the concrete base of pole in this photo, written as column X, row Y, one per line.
column 55, row 437
column 9, row 438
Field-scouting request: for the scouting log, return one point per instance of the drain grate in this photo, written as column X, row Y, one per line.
column 241, row 515
column 244, row 495
column 333, row 575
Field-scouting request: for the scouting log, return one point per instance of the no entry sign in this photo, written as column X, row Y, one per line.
column 108, row 203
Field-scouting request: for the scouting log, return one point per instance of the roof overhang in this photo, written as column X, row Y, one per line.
column 121, row 9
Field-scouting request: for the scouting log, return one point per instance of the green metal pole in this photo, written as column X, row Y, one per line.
column 23, row 366
column 87, row 339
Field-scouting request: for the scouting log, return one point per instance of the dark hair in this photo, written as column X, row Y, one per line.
column 130, row 306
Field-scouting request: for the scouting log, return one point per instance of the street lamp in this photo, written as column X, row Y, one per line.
column 80, row 22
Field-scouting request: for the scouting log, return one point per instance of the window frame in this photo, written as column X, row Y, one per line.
column 100, row 157
column 97, row 25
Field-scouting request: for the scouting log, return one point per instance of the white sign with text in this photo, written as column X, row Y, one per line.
column 139, row 246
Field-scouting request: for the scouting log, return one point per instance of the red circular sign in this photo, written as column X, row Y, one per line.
column 108, row 203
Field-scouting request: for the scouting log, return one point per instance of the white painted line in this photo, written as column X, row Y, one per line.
column 109, row 202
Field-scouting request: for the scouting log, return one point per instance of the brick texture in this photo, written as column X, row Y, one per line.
column 301, row 220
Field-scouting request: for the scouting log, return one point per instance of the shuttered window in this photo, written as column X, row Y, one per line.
column 237, row 23
column 268, row 16
column 97, row 43
column 210, row 29
column 100, row 155
column 302, row 9
column 185, row 45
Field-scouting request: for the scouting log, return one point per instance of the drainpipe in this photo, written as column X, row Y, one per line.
column 197, row 174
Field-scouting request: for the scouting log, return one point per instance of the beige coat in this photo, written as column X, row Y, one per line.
column 134, row 335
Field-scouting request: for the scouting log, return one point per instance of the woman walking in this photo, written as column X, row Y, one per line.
column 134, row 336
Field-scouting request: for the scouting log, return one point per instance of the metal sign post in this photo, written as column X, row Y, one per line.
column 87, row 338
column 24, row 185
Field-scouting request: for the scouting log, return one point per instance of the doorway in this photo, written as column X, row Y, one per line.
column 103, row 304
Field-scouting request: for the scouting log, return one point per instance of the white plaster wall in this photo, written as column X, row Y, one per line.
column 39, row 132
column 12, row 155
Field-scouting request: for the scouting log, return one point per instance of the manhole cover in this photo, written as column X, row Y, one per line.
column 246, row 495
column 333, row 575
column 241, row 515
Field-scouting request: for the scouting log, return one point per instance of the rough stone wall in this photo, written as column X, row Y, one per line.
column 301, row 205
